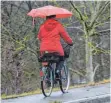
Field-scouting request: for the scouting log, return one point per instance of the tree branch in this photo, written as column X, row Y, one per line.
column 98, row 13
column 77, row 72
column 76, row 28
column 80, row 14
column 97, row 66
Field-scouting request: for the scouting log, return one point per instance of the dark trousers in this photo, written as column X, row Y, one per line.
column 60, row 64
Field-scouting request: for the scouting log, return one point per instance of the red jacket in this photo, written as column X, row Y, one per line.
column 49, row 35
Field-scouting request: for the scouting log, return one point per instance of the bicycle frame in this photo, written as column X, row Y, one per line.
column 52, row 67
column 49, row 78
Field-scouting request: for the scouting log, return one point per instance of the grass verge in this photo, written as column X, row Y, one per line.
column 38, row 91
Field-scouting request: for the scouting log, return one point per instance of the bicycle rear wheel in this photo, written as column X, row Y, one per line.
column 64, row 81
column 47, row 82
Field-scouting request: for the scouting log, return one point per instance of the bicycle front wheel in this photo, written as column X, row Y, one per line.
column 47, row 82
column 64, row 79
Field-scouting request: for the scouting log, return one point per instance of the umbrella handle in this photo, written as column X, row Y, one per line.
column 33, row 21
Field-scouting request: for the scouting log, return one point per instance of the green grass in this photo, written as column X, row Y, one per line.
column 38, row 91
column 55, row 102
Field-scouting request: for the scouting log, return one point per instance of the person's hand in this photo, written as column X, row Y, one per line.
column 71, row 44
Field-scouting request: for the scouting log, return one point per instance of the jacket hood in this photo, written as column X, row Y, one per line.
column 50, row 24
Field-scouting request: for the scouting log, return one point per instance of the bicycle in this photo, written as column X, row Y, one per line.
column 51, row 75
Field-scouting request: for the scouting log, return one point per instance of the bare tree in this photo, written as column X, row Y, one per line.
column 90, row 20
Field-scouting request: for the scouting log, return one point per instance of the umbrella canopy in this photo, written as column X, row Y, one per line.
column 42, row 12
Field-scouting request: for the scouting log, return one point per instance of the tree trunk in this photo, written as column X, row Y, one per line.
column 89, row 64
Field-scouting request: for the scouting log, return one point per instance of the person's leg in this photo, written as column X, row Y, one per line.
column 59, row 65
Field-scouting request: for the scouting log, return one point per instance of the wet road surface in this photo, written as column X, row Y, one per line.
column 73, row 95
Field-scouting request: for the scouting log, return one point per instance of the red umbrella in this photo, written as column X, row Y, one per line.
column 42, row 12
column 50, row 10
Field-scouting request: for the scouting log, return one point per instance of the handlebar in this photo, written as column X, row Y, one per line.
column 67, row 45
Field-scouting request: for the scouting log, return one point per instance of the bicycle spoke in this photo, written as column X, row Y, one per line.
column 47, row 83
column 65, row 79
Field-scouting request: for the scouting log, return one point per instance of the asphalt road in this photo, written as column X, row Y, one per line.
column 73, row 96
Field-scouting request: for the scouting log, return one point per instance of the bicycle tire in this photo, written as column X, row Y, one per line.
column 44, row 80
column 64, row 89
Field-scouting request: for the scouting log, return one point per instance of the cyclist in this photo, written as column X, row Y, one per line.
column 50, row 34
